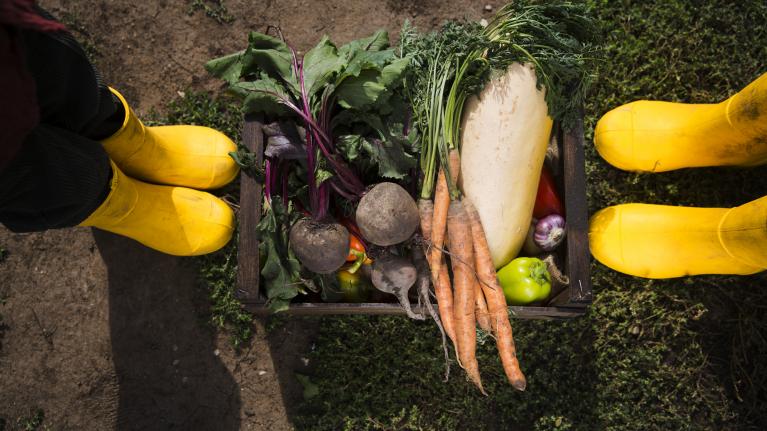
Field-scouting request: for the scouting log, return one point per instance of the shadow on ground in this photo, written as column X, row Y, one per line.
column 168, row 372
column 291, row 340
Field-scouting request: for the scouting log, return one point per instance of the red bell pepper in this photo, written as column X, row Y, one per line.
column 547, row 201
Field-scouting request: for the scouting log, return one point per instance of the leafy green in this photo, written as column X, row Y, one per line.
column 323, row 175
column 281, row 271
column 268, row 54
column 388, row 157
column 228, row 67
column 376, row 42
column 559, row 39
column 321, row 64
column 393, row 162
column 360, row 79
column 263, row 96
column 247, row 161
column 370, row 85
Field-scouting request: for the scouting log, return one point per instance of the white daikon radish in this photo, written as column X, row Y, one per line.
column 505, row 133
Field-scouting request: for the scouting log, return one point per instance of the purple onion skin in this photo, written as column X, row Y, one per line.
column 549, row 232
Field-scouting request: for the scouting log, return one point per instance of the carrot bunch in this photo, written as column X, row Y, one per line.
column 474, row 296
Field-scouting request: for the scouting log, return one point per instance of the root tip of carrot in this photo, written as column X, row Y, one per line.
column 519, row 385
column 478, row 383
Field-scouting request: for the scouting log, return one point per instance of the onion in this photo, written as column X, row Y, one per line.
column 549, row 232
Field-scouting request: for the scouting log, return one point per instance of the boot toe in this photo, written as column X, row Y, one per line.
column 207, row 222
column 225, row 169
column 606, row 241
column 635, row 239
column 219, row 230
column 209, row 161
column 614, row 137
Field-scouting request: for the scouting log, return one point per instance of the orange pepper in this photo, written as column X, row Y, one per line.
column 355, row 249
column 357, row 254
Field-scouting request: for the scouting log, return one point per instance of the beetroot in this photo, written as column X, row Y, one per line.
column 387, row 215
column 320, row 247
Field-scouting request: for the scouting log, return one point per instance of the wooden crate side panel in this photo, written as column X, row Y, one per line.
column 248, row 265
column 577, row 252
column 393, row 309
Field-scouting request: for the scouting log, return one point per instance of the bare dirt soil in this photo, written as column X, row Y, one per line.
column 102, row 333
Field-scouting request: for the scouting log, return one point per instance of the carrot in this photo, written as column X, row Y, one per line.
column 462, row 261
column 442, row 289
column 454, row 161
column 480, row 306
column 438, row 227
column 496, row 301
column 441, row 204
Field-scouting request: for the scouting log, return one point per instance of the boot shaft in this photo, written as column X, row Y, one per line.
column 746, row 112
column 743, row 232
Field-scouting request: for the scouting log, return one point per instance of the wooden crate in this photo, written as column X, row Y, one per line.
column 574, row 254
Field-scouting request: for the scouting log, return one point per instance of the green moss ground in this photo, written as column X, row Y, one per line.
column 684, row 354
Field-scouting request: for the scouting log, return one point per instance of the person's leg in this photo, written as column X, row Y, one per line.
column 70, row 93
column 61, row 173
column 63, row 177
column 72, row 96
column 60, row 179
column 56, row 180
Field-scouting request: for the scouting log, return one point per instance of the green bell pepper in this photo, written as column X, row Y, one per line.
column 525, row 280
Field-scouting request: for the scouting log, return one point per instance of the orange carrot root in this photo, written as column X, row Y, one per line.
column 442, row 289
column 444, row 293
column 496, row 301
column 438, row 227
column 454, row 161
column 480, row 307
column 462, row 261
column 441, row 204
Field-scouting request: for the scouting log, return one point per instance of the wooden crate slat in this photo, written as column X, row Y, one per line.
column 394, row 309
column 248, row 265
column 577, row 254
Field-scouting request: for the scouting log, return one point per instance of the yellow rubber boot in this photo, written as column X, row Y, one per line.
column 659, row 241
column 188, row 156
column 174, row 220
column 653, row 136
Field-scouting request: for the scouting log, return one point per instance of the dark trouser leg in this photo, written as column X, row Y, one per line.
column 70, row 93
column 57, row 180
column 61, row 174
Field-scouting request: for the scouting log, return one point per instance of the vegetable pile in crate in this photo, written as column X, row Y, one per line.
column 461, row 119
column 336, row 125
